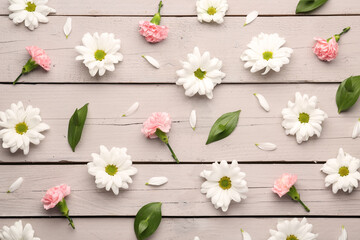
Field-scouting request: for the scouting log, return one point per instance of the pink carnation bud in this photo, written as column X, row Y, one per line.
column 283, row 184
column 54, row 195
column 39, row 56
column 153, row 33
column 158, row 120
column 324, row 50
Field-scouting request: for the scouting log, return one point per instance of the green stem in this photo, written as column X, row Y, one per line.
column 157, row 17
column 164, row 138
column 160, row 6
column 65, row 212
column 172, row 153
column 71, row 222
column 337, row 36
column 17, row 79
column 303, row 204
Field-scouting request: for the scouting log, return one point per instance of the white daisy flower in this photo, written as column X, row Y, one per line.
column 99, row 53
column 21, row 127
column 112, row 169
column 200, row 74
column 30, row 11
column 302, row 118
column 224, row 183
column 17, row 232
column 342, row 172
column 211, row 10
column 293, row 230
column 266, row 52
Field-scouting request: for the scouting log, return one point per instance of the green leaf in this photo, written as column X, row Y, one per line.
column 147, row 220
column 76, row 125
column 223, row 127
column 309, row 5
column 348, row 93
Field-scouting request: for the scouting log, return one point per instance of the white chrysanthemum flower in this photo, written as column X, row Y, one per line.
column 30, row 11
column 21, row 127
column 293, row 230
column 302, row 118
column 224, row 183
column 99, row 53
column 112, row 169
column 342, row 172
column 266, row 52
column 200, row 74
column 17, row 232
column 211, row 10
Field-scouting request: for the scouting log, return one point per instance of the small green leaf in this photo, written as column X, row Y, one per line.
column 348, row 93
column 76, row 125
column 309, row 5
column 147, row 220
column 223, row 126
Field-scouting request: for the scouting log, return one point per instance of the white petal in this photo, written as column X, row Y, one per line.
column 245, row 235
column 16, row 185
column 196, row 238
column 356, row 131
column 157, row 181
column 152, row 61
column 67, row 27
column 266, row 146
column 343, row 235
column 251, row 17
column 131, row 109
column 192, row 119
column 263, row 103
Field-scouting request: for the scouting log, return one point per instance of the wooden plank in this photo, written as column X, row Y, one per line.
column 180, row 196
column 227, row 42
column 188, row 7
column 179, row 228
column 106, row 126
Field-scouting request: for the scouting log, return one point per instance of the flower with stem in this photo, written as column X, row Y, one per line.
column 156, row 126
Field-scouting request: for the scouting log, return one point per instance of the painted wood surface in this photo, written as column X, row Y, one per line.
column 106, row 126
column 187, row 7
column 181, row 196
column 179, row 228
column 226, row 42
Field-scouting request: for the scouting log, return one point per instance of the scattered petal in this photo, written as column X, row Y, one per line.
column 251, row 17
column 16, row 185
column 157, row 181
column 343, row 235
column 356, row 131
column 245, row 235
column 192, row 119
column 196, row 238
column 266, row 146
column 152, row 61
column 263, row 103
column 67, row 27
column 131, row 109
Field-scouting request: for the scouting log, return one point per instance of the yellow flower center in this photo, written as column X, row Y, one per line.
column 267, row 55
column 225, row 183
column 111, row 169
column 211, row 10
column 304, row 117
column 30, row 7
column 100, row 55
column 21, row 128
column 344, row 171
column 291, row 237
column 200, row 74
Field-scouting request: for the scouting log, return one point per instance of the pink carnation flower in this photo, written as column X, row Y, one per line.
column 324, row 50
column 153, row 33
column 158, row 120
column 39, row 56
column 283, row 184
column 54, row 195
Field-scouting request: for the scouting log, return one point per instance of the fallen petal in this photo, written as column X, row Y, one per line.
column 157, row 181
column 131, row 109
column 245, row 235
column 196, row 238
column 263, row 103
column 16, row 185
column 251, row 17
column 67, row 27
column 266, row 146
column 192, row 119
column 356, row 131
column 152, row 61
column 343, row 235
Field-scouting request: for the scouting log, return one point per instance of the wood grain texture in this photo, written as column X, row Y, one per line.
column 226, row 42
column 181, row 196
column 187, row 7
column 180, row 228
column 106, row 126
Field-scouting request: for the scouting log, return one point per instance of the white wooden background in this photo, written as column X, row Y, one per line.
column 101, row 215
